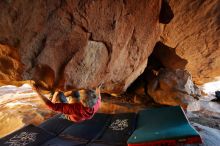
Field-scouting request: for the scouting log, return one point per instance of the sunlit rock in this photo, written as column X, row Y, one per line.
column 10, row 64
column 194, row 32
column 57, row 34
column 173, row 87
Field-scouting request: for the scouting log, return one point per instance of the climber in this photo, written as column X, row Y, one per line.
column 88, row 104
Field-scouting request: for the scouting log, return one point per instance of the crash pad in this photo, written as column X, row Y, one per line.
column 155, row 126
column 118, row 131
column 56, row 124
column 65, row 141
column 27, row 136
column 89, row 129
column 167, row 125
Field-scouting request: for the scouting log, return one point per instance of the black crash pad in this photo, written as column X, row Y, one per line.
column 27, row 136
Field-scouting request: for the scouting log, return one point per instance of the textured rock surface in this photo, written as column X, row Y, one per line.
column 173, row 87
column 195, row 33
column 10, row 66
column 84, row 42
column 167, row 57
column 86, row 67
column 209, row 135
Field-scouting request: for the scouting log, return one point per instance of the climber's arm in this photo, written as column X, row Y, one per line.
column 44, row 98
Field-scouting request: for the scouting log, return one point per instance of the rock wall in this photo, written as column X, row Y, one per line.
column 84, row 42
column 194, row 32
column 10, row 66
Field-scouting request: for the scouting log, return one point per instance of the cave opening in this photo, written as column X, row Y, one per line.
column 162, row 57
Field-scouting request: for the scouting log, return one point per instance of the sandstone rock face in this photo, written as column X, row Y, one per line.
column 86, row 67
column 167, row 57
column 10, row 66
column 84, row 42
column 194, row 32
column 173, row 87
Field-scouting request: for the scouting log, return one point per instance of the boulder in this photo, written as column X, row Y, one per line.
column 83, row 42
column 10, row 65
column 173, row 87
column 194, row 33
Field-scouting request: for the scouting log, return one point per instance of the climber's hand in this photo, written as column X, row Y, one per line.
column 36, row 88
